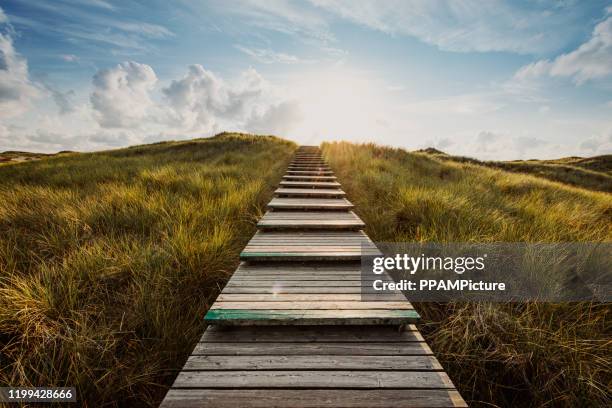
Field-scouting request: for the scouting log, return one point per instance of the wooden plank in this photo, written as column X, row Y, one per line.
column 299, row 283
column 305, row 167
column 293, row 268
column 299, row 297
column 315, row 362
column 336, row 204
column 314, row 178
column 242, row 317
column 309, row 172
column 311, row 305
column 310, row 184
column 298, row 276
column 336, row 348
column 310, row 192
column 309, row 246
column 312, row 398
column 300, row 290
column 311, row 334
column 310, row 220
column 312, row 379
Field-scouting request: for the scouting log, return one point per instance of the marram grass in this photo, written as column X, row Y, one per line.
column 109, row 261
column 519, row 354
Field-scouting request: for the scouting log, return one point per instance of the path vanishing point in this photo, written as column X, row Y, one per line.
column 290, row 329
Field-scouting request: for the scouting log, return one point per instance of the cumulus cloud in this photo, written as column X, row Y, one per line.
column 17, row 91
column 200, row 100
column 121, row 95
column 592, row 60
column 63, row 100
column 278, row 119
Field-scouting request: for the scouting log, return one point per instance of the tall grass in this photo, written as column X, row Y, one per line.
column 519, row 354
column 109, row 260
column 593, row 173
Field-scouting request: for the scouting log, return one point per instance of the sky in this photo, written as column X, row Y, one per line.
column 492, row 80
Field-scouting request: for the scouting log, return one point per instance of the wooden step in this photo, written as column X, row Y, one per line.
column 308, row 246
column 328, row 220
column 312, row 178
column 336, row 204
column 309, row 173
column 310, row 192
column 310, row 184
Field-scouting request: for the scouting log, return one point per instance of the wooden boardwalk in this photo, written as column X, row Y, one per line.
column 290, row 329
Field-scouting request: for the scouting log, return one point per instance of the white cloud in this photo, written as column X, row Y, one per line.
column 3, row 17
column 121, row 95
column 592, row 60
column 267, row 56
column 69, row 57
column 596, row 145
column 201, row 100
column 17, row 91
column 63, row 100
column 278, row 119
column 463, row 26
column 283, row 16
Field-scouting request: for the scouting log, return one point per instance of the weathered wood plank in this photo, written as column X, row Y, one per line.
column 241, row 317
column 337, row 348
column 310, row 184
column 301, row 283
column 341, row 204
column 312, row 379
column 311, row 334
column 309, row 192
column 297, row 297
column 310, row 220
column 311, row 305
column 315, row 362
column 308, row 246
column 313, row 178
column 302, row 290
column 312, row 398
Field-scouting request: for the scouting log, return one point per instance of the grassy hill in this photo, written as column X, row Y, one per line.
column 519, row 354
column 593, row 173
column 109, row 260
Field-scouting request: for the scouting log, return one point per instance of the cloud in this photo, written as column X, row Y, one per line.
column 17, row 91
column 3, row 17
column 121, row 95
column 592, row 60
column 267, row 56
column 201, row 100
column 84, row 24
column 63, row 100
column 278, row 119
column 596, row 145
column 464, row 26
column 69, row 57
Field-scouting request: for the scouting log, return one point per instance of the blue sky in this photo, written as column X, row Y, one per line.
column 493, row 80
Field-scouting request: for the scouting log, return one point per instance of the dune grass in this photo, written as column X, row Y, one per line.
column 520, row 354
column 593, row 173
column 109, row 260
